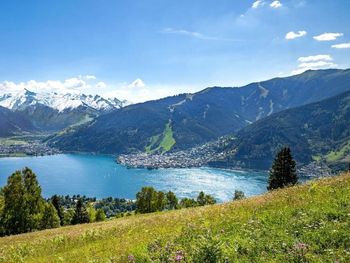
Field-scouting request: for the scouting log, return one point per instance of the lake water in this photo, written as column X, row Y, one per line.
column 100, row 176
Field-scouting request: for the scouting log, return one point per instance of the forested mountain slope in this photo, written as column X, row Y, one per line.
column 183, row 121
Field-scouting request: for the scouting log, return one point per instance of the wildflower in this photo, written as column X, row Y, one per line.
column 131, row 258
column 301, row 249
column 179, row 258
column 300, row 246
column 179, row 255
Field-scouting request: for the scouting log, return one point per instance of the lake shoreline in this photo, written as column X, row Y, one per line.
column 100, row 176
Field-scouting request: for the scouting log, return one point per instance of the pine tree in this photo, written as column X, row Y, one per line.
column 201, row 198
column 56, row 202
column 172, row 201
column 80, row 214
column 204, row 199
column 239, row 195
column 161, row 201
column 283, row 171
column 50, row 218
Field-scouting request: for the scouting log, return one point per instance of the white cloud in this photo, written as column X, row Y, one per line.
column 101, row 85
column 317, row 64
column 140, row 93
column 257, row 4
column 315, row 58
column 342, row 45
column 90, row 77
column 74, row 83
column 313, row 63
column 194, row 34
column 71, row 85
column 293, row 35
column 328, row 36
column 276, row 4
column 137, row 83
column 136, row 91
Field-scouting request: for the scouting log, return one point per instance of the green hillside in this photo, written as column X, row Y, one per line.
column 161, row 143
column 200, row 117
column 307, row 223
column 317, row 131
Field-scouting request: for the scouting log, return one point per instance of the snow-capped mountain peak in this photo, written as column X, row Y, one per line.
column 60, row 102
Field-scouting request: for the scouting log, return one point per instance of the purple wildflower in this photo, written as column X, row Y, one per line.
column 179, row 258
column 131, row 258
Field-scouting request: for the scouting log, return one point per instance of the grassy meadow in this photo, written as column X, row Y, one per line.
column 305, row 223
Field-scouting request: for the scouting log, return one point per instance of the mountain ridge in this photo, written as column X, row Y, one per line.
column 203, row 116
column 51, row 112
column 315, row 132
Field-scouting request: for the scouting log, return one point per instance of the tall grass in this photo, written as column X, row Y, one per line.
column 306, row 223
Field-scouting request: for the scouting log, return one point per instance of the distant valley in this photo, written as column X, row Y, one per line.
column 304, row 111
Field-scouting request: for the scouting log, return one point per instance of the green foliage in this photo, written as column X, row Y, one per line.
column 50, row 218
column 305, row 223
column 162, row 143
column 172, row 201
column 91, row 212
column 148, row 200
column 340, row 154
column 283, row 171
column 112, row 206
column 81, row 215
column 204, row 199
column 100, row 215
column 161, row 201
column 57, row 203
column 68, row 215
column 23, row 203
column 239, row 195
column 188, row 202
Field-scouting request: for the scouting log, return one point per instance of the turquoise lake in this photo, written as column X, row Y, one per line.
column 100, row 176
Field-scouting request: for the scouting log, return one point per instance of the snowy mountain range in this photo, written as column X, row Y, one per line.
column 61, row 102
column 51, row 112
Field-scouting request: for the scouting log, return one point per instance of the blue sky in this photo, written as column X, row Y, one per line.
column 146, row 49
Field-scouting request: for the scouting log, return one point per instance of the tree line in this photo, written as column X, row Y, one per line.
column 150, row 200
column 23, row 209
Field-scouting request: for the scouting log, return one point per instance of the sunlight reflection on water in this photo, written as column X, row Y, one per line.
column 100, row 176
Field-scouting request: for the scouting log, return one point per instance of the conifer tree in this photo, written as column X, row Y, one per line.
column 56, row 202
column 50, row 218
column 283, row 171
column 80, row 214
column 172, row 201
column 204, row 199
column 239, row 195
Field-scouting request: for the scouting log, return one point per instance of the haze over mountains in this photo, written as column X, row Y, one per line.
column 198, row 118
